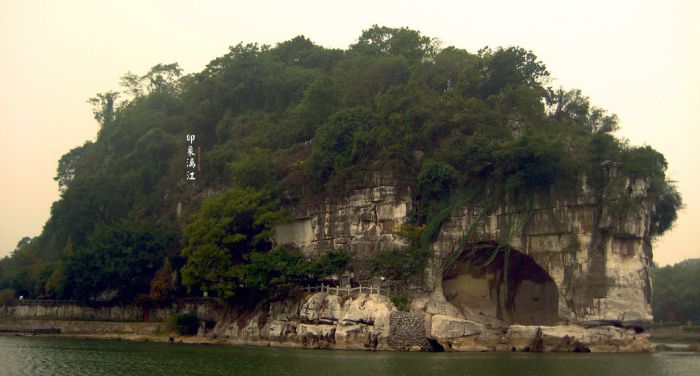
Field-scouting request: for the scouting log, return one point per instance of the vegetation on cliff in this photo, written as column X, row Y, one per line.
column 283, row 125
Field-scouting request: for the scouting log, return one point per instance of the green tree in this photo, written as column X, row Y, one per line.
column 122, row 256
column 675, row 291
column 332, row 262
column 228, row 227
column 511, row 67
column 274, row 274
column 404, row 264
column 103, row 106
column 67, row 165
column 332, row 151
column 382, row 40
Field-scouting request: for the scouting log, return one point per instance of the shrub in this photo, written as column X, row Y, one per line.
column 400, row 264
column 401, row 301
column 435, row 179
column 6, row 295
column 332, row 262
column 187, row 323
column 668, row 203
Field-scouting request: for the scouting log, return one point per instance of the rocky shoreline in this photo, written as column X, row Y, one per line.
column 370, row 321
column 362, row 322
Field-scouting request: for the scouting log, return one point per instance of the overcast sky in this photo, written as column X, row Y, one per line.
column 638, row 59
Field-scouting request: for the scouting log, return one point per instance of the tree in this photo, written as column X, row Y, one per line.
column 273, row 274
column 162, row 285
column 403, row 264
column 122, row 256
column 254, row 169
column 332, row 262
column 228, row 227
column 103, row 106
column 333, row 146
column 572, row 106
column 675, row 291
column 512, row 66
column 133, row 84
column 435, row 179
column 162, row 78
column 668, row 203
column 378, row 41
column 67, row 165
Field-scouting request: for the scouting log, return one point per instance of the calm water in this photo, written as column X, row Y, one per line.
column 65, row 356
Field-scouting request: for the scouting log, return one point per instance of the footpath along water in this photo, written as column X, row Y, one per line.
column 70, row 356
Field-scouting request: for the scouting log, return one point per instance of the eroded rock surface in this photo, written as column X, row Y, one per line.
column 578, row 259
column 579, row 254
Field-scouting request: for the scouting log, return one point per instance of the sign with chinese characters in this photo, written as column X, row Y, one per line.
column 192, row 163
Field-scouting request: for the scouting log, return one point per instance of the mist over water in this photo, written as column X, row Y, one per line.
column 67, row 356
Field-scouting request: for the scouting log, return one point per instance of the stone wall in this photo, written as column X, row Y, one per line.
column 67, row 310
column 408, row 331
column 79, row 327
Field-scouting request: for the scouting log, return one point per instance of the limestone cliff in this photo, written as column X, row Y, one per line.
column 580, row 258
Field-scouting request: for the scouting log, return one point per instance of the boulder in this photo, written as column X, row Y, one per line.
column 523, row 337
column 353, row 336
column 599, row 339
column 435, row 305
column 369, row 309
column 321, row 307
column 445, row 327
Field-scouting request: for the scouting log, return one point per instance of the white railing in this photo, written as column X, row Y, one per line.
column 347, row 290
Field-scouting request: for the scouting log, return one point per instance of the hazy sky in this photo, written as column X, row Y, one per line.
column 638, row 59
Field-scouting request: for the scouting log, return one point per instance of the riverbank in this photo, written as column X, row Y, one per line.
column 516, row 338
column 328, row 321
column 689, row 334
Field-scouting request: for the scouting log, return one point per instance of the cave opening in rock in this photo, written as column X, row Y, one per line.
column 477, row 284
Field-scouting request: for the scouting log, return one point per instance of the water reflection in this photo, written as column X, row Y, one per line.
column 65, row 356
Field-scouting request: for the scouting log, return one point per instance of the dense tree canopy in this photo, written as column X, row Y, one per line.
column 280, row 125
column 676, row 293
column 222, row 234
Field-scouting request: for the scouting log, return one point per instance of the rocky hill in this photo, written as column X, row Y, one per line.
column 459, row 181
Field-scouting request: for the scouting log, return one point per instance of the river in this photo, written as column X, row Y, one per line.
column 70, row 356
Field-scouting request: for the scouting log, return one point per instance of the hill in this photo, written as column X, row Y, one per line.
column 275, row 127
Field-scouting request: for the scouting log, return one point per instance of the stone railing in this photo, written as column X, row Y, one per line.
column 350, row 291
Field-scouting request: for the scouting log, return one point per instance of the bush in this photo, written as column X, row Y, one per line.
column 401, row 301
column 400, row 264
column 275, row 273
column 170, row 324
column 332, row 262
column 6, row 295
column 187, row 323
column 435, row 179
column 668, row 203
